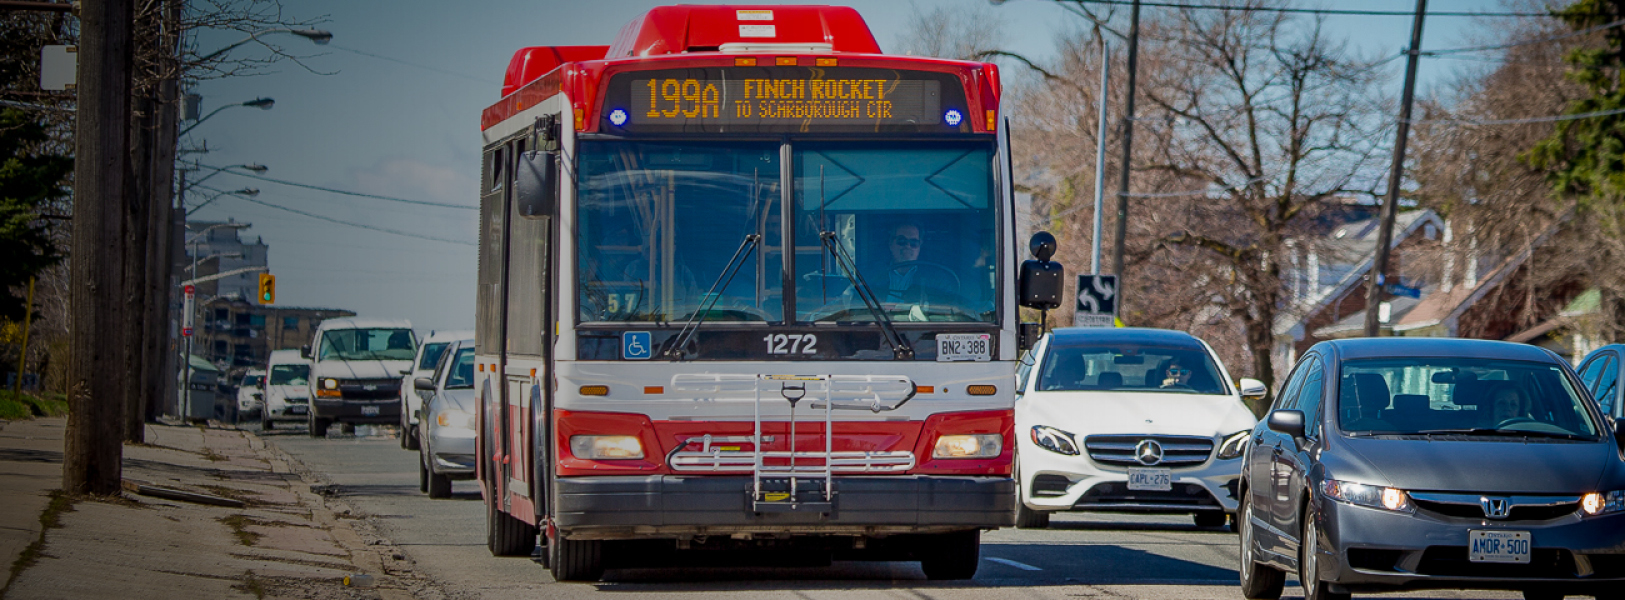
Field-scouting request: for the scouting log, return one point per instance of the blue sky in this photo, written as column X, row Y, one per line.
column 408, row 126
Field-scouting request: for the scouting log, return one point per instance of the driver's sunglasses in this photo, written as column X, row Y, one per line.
column 1178, row 372
column 906, row 241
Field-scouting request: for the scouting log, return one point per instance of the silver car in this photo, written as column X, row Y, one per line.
column 1391, row 464
column 446, row 431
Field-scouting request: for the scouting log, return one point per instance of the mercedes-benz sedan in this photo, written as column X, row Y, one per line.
column 1389, row 464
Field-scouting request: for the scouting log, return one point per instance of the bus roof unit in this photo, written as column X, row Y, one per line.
column 684, row 29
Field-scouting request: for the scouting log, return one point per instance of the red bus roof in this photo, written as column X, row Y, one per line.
column 711, row 36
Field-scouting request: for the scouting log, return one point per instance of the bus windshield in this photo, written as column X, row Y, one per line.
column 660, row 223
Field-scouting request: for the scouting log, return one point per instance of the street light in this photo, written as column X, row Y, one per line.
column 260, row 103
column 320, row 36
column 248, row 192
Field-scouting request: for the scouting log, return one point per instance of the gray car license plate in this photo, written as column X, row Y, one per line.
column 1498, row 546
column 369, row 411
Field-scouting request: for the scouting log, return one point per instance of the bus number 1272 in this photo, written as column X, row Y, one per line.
column 794, row 343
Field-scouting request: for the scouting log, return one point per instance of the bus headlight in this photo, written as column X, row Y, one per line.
column 606, row 447
column 982, row 445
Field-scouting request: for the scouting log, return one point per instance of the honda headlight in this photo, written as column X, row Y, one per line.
column 1370, row 496
column 985, row 445
column 1234, row 445
column 1602, row 503
column 1054, row 440
column 606, row 447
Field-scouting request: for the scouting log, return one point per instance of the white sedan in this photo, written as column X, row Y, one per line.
column 1128, row 420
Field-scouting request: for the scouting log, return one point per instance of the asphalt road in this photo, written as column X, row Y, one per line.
column 1080, row 556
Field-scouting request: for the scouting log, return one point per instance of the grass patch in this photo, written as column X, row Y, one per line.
column 252, row 585
column 27, row 406
column 239, row 528
column 50, row 519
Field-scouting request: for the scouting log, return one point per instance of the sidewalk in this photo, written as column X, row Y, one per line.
column 279, row 541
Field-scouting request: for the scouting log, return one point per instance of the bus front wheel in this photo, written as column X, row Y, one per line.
column 951, row 556
column 506, row 535
column 575, row 560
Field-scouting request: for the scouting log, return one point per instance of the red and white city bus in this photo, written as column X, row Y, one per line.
column 746, row 285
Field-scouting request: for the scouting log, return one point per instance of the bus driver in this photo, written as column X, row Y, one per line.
column 904, row 276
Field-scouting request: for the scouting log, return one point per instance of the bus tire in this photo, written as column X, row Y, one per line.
column 504, row 534
column 951, row 556
column 576, row 560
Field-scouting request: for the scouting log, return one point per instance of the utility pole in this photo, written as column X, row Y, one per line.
column 1396, row 172
column 1128, row 151
column 1100, row 156
column 93, row 449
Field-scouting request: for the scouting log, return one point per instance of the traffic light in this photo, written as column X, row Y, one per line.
column 267, row 288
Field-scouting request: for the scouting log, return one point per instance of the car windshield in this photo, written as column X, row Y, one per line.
column 431, row 355
column 253, row 380
column 367, row 344
column 1460, row 396
column 462, row 370
column 1129, row 368
column 295, row 374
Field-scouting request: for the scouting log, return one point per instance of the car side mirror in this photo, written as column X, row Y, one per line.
column 1042, row 281
column 535, row 186
column 1253, row 388
column 423, row 383
column 1289, row 422
column 305, row 351
column 406, row 371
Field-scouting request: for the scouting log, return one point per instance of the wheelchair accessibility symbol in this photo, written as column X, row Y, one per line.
column 635, row 345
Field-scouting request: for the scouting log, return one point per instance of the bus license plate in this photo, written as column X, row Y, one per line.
column 952, row 347
column 1151, row 480
column 369, row 411
column 1498, row 546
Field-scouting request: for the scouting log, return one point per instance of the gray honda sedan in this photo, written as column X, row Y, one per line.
column 1402, row 463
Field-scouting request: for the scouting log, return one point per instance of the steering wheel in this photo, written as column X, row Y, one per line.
column 1514, row 421
column 930, row 265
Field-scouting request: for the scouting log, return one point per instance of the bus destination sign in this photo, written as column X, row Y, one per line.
column 717, row 100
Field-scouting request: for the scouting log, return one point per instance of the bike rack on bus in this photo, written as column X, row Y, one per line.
column 875, row 393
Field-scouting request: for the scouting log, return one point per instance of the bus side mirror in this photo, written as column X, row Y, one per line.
column 305, row 351
column 1042, row 281
column 536, row 184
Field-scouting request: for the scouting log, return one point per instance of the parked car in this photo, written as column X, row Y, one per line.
column 447, row 427
column 1390, row 464
column 422, row 366
column 1600, row 373
column 250, row 394
column 355, row 372
column 287, row 389
column 1128, row 420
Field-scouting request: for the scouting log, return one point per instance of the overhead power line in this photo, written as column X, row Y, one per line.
column 1311, row 11
column 347, row 223
column 347, row 192
column 1552, row 119
column 1561, row 36
column 415, row 65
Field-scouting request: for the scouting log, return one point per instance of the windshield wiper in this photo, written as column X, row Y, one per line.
column 1491, row 431
column 675, row 351
column 901, row 350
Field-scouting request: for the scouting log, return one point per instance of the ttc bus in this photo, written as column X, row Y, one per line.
column 745, row 289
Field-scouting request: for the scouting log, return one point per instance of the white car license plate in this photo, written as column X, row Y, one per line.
column 369, row 411
column 1498, row 546
column 952, row 347
column 1152, row 480
column 296, row 410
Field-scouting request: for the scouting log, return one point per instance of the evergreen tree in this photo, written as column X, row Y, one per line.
column 30, row 177
column 1585, row 157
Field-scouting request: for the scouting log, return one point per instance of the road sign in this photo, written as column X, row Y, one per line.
column 187, row 310
column 1097, row 301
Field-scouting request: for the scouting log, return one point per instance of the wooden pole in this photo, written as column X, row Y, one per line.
column 1396, row 174
column 93, row 448
column 1128, row 153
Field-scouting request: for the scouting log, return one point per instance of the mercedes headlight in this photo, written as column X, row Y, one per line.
column 1370, row 496
column 1234, row 446
column 1602, row 503
column 1054, row 440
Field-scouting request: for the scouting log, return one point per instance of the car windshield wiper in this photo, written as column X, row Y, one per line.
column 1491, row 431
column 675, row 351
column 901, row 349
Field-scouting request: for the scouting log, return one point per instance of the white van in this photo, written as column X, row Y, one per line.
column 287, row 389
column 355, row 371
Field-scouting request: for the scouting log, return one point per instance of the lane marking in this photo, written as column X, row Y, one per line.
column 1010, row 563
